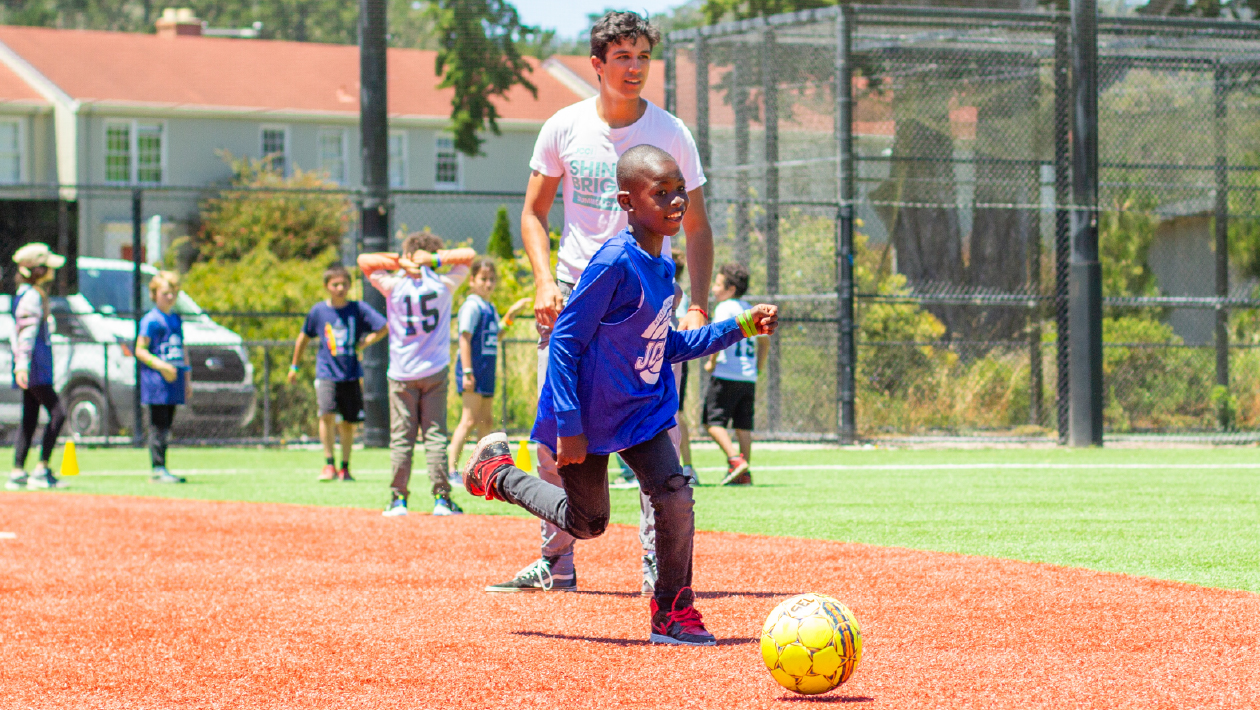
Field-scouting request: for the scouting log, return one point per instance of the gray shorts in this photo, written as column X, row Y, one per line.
column 344, row 398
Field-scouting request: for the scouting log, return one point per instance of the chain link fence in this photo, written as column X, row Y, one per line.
column 948, row 148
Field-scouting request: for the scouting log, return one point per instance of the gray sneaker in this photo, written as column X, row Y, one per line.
column 161, row 475
column 43, row 479
column 17, row 481
column 650, row 575
column 538, row 578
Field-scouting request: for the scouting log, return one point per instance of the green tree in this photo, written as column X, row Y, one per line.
column 500, row 245
column 297, row 217
column 478, row 57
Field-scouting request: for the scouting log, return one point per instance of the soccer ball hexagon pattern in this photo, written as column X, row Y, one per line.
column 811, row 643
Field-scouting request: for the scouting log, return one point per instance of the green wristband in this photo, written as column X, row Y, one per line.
column 745, row 321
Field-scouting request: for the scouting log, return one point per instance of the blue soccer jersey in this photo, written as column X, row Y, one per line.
column 606, row 376
column 338, row 331
column 165, row 332
column 478, row 318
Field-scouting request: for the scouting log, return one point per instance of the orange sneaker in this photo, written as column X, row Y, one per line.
column 329, row 473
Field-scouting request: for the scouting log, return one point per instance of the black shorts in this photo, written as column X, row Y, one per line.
column 730, row 401
column 344, row 398
column 682, row 383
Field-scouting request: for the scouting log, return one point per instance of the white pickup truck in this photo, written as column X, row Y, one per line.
column 94, row 368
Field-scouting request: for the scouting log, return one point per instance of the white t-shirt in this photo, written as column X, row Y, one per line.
column 577, row 145
column 739, row 361
column 419, row 314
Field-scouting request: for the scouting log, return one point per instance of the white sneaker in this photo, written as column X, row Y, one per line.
column 44, row 478
column 443, row 505
column 455, row 479
column 17, row 481
column 397, row 507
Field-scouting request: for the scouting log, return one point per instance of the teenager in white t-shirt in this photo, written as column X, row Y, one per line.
column 577, row 153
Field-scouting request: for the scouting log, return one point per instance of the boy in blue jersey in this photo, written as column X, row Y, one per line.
column 340, row 326
column 165, row 377
column 609, row 390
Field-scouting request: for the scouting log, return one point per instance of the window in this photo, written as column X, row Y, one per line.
column 275, row 145
column 332, row 154
column 134, row 152
column 398, row 159
column 118, row 152
column 10, row 151
column 446, row 164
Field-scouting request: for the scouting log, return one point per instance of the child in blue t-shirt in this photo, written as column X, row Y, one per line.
column 340, row 326
column 610, row 389
column 479, row 326
column 165, row 378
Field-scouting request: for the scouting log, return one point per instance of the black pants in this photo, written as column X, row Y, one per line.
column 161, row 416
column 582, row 507
column 33, row 398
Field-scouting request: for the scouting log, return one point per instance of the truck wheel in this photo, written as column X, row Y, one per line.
column 86, row 412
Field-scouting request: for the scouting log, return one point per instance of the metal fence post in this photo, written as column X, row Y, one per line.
column 1085, row 309
column 137, row 220
column 702, row 102
column 770, row 112
column 106, row 418
column 671, row 77
column 1062, row 223
column 739, row 103
column 266, row 429
column 846, row 353
column 374, row 215
column 1220, row 89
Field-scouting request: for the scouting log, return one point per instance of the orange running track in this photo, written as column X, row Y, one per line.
column 110, row 602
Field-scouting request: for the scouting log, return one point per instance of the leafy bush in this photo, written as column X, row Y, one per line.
column 301, row 219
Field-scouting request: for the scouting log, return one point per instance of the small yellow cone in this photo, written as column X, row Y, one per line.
column 69, row 460
column 523, row 462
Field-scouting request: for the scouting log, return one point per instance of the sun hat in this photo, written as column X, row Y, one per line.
column 37, row 254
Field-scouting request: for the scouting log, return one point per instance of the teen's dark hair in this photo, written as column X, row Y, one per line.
column 481, row 262
column 736, row 275
column 619, row 26
column 424, row 241
column 336, row 271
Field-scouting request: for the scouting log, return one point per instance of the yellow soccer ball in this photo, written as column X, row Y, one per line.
column 811, row 643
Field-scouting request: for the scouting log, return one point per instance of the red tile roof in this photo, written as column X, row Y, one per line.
column 250, row 75
column 14, row 90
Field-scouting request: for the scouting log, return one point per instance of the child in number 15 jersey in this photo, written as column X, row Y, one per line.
column 418, row 312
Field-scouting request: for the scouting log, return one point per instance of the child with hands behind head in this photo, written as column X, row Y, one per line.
column 610, row 389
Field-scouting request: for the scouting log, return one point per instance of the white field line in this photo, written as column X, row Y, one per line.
column 817, row 467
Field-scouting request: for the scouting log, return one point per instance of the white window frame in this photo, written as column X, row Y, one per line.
column 319, row 152
column 21, row 150
column 459, row 163
column 286, row 154
column 401, row 163
column 133, row 153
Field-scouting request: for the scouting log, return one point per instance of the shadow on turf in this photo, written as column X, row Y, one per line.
column 621, row 642
column 827, row 699
column 699, row 595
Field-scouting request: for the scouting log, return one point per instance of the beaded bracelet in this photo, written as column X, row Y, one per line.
column 746, row 325
column 293, row 368
column 437, row 261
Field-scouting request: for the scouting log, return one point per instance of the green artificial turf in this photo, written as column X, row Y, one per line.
column 1184, row 514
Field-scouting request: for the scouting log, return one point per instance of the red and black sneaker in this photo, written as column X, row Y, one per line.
column 343, row 473
column 488, row 459
column 682, row 625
